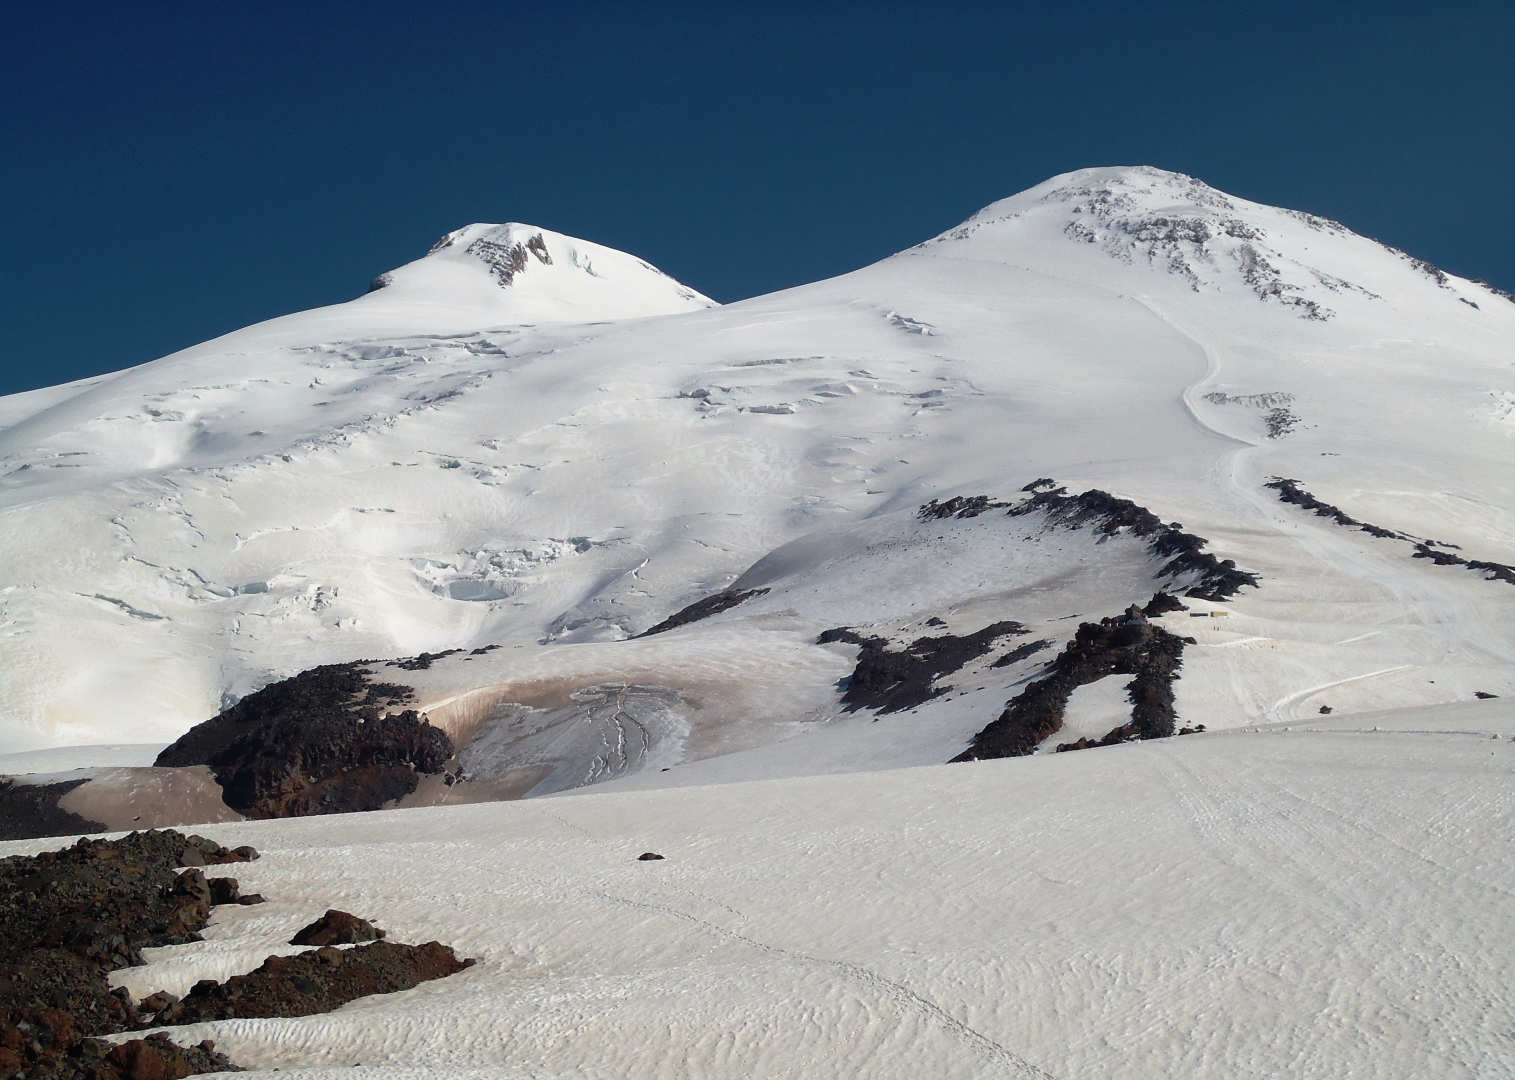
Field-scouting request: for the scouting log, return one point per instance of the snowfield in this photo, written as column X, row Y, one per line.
column 526, row 451
column 447, row 462
column 1321, row 899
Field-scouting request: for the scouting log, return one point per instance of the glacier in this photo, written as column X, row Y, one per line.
column 523, row 451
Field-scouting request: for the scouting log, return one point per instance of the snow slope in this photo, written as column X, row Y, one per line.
column 555, row 463
column 454, row 460
column 1321, row 899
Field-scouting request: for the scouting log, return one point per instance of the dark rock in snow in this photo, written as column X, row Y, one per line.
column 1020, row 652
column 28, row 811
column 1215, row 579
column 649, row 856
column 1125, row 644
column 316, row 743
column 225, row 890
column 337, row 928
column 959, row 507
column 1162, row 603
column 891, row 680
column 38, row 1043
column 1290, row 492
column 703, row 609
column 423, row 661
column 315, row 982
column 68, row 918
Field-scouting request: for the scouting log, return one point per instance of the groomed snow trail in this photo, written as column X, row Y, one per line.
column 1446, row 620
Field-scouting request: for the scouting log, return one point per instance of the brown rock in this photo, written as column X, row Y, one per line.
column 337, row 928
column 318, row 981
column 155, row 1003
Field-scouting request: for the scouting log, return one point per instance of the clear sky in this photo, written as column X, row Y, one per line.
column 170, row 172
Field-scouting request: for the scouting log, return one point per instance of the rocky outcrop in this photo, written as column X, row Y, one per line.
column 67, row 919
column 1124, row 645
column 1290, row 492
column 891, row 680
column 31, row 810
column 320, row 742
column 1212, row 578
column 41, row 1043
column 315, row 982
column 970, row 506
column 703, row 609
column 337, row 928
column 1021, row 652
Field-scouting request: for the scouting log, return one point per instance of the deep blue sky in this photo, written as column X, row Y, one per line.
column 169, row 173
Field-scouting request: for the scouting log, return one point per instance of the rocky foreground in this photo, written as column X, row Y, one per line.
column 69, row 918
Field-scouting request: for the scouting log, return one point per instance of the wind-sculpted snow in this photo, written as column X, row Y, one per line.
column 1250, row 903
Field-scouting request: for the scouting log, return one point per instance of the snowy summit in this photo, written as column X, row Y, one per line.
column 519, row 273
column 1079, row 644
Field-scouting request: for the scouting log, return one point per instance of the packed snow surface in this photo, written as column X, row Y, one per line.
column 1318, row 899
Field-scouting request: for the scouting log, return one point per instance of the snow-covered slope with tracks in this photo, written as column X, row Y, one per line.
column 439, row 465
column 529, row 465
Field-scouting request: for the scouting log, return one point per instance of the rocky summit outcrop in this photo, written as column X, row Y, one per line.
column 320, row 742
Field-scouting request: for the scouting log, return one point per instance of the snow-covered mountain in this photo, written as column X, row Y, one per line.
column 692, row 563
column 490, row 449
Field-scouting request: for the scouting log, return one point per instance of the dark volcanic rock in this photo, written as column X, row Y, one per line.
column 649, row 856
column 1216, row 578
column 1127, row 644
column 28, row 811
column 101, row 900
column 331, row 688
column 703, row 609
column 423, row 661
column 891, row 680
column 198, row 851
column 970, row 506
column 226, row 890
column 1290, row 492
column 37, row 1043
column 315, row 982
column 68, row 918
column 1162, row 603
column 316, row 743
column 1020, row 652
column 337, row 928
